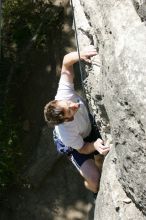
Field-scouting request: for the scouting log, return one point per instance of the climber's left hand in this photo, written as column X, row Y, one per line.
column 87, row 53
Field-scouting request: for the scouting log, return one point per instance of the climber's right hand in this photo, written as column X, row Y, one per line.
column 100, row 147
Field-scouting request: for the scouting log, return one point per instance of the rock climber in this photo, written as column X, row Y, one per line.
column 73, row 133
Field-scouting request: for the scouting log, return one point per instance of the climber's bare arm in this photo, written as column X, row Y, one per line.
column 73, row 57
column 96, row 145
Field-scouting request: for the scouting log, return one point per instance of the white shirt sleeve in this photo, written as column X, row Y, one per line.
column 65, row 90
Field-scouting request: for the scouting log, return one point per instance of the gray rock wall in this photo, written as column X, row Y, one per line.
column 116, row 86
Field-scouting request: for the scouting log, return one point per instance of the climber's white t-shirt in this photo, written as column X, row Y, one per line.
column 73, row 132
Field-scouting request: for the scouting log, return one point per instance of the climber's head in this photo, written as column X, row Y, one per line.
column 59, row 111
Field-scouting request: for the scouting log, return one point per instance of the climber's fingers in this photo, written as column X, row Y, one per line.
column 90, row 48
column 86, row 60
column 100, row 147
column 109, row 143
column 87, row 53
column 103, row 149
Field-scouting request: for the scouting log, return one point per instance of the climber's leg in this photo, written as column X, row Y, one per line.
column 99, row 159
column 85, row 163
column 91, row 174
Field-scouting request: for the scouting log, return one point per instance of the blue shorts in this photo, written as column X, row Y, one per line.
column 77, row 158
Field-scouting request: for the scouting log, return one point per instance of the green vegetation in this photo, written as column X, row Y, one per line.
column 8, row 151
column 25, row 21
column 25, row 24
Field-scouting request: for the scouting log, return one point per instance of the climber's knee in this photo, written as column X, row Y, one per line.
column 91, row 174
column 94, row 183
column 94, row 187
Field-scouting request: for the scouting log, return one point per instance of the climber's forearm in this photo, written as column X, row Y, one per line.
column 93, row 146
column 88, row 148
column 73, row 57
column 67, row 73
column 70, row 59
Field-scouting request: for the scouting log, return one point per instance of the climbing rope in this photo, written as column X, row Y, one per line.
column 78, row 50
column 77, row 42
column 91, row 114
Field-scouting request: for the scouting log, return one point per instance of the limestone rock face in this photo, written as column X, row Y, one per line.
column 116, row 86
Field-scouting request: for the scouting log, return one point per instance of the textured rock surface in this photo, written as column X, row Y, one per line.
column 52, row 188
column 116, row 92
column 112, row 202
